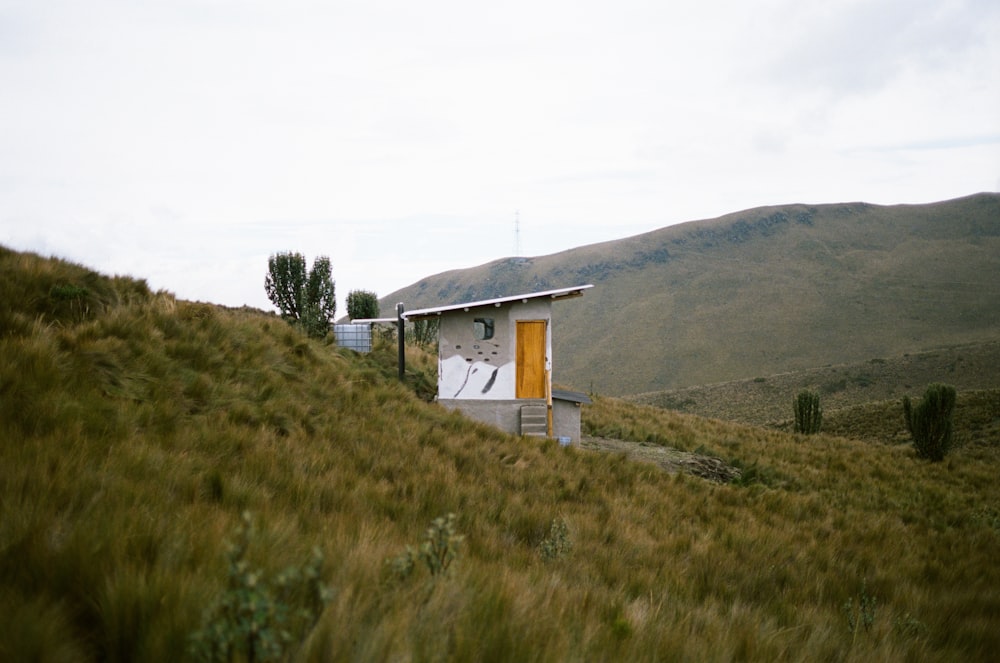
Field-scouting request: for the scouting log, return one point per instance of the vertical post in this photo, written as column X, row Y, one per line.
column 400, row 332
column 548, row 403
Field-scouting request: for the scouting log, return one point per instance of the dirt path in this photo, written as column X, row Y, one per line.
column 671, row 460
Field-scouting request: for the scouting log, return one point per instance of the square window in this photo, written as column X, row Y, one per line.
column 482, row 328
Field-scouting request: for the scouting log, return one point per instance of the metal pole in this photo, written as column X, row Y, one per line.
column 402, row 347
column 548, row 403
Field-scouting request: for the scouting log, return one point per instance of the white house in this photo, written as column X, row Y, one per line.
column 495, row 363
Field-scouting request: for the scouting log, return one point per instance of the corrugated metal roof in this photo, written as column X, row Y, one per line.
column 561, row 293
column 571, row 396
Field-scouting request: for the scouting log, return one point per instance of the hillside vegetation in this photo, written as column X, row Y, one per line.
column 758, row 292
column 138, row 429
column 848, row 391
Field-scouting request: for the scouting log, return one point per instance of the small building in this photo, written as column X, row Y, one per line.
column 495, row 364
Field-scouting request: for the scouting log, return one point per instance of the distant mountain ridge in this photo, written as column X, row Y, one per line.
column 757, row 292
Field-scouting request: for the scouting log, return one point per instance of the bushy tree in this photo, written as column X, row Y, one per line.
column 285, row 283
column 929, row 421
column 808, row 413
column 321, row 303
column 306, row 299
column 425, row 331
column 362, row 304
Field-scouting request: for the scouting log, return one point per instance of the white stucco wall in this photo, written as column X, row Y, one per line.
column 471, row 369
column 460, row 378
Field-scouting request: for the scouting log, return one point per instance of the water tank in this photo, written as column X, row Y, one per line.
column 354, row 336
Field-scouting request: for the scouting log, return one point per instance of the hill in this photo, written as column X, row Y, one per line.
column 767, row 401
column 180, row 481
column 758, row 292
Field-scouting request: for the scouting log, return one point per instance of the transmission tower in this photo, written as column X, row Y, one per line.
column 517, row 233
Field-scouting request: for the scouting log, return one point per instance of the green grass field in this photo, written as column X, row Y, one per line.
column 138, row 430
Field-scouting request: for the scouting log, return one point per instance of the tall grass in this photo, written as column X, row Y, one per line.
column 137, row 434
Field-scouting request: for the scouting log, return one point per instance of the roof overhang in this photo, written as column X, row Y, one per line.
column 571, row 396
column 553, row 295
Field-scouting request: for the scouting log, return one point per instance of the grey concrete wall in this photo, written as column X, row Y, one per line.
column 506, row 415
column 566, row 420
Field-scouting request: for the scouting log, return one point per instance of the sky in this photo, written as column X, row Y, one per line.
column 186, row 141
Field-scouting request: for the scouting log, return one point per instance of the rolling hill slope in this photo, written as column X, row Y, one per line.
column 167, row 466
column 844, row 388
column 758, row 292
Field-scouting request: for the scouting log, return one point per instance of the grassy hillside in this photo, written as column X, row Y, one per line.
column 758, row 292
column 137, row 429
column 767, row 400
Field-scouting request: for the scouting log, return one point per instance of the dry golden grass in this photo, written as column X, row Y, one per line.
column 137, row 432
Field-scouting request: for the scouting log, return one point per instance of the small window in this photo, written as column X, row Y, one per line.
column 482, row 328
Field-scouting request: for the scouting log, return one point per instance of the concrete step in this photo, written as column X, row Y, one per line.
column 534, row 420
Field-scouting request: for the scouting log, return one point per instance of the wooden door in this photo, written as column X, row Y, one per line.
column 530, row 359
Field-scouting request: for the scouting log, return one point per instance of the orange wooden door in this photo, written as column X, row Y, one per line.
column 530, row 359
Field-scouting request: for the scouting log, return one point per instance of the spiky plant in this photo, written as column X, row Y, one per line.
column 929, row 421
column 808, row 413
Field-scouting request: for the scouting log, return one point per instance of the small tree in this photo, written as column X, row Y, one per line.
column 304, row 299
column 425, row 332
column 929, row 421
column 321, row 302
column 808, row 413
column 362, row 304
column 285, row 283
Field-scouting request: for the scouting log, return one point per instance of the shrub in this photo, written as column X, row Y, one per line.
column 558, row 543
column 909, row 626
column 424, row 332
column 808, row 413
column 437, row 551
column 834, row 386
column 256, row 620
column 929, row 421
column 862, row 615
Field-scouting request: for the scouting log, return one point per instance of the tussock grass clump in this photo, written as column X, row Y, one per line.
column 136, row 436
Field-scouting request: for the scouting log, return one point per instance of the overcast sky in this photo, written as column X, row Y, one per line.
column 184, row 141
